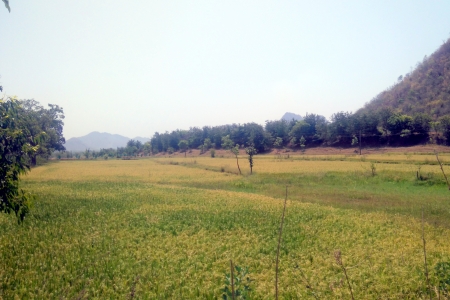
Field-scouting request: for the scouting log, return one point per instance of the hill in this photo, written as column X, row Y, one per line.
column 426, row 89
column 289, row 116
column 98, row 140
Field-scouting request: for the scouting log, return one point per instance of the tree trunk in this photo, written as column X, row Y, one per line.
column 237, row 162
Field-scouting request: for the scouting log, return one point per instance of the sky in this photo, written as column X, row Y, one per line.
column 137, row 67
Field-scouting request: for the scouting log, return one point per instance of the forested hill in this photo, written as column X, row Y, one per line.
column 424, row 90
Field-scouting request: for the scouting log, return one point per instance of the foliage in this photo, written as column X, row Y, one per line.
column 45, row 127
column 442, row 270
column 15, row 152
column 183, row 145
column 300, row 129
column 302, row 142
column 278, row 142
column 207, row 144
column 444, row 124
column 398, row 122
column 227, row 143
column 241, row 281
column 251, row 151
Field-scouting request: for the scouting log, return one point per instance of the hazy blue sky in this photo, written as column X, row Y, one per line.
column 136, row 67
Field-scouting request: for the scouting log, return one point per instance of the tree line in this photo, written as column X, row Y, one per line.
column 385, row 127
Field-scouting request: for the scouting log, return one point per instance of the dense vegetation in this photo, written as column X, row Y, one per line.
column 384, row 127
column 27, row 131
column 425, row 89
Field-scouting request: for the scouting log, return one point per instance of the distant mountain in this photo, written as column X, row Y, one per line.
column 98, row 140
column 289, row 116
column 425, row 90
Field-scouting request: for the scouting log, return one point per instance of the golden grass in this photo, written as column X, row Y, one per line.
column 101, row 227
column 268, row 164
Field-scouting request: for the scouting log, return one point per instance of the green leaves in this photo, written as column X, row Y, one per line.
column 241, row 284
column 442, row 271
column 15, row 151
column 251, row 151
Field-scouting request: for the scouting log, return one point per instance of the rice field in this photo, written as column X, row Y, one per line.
column 167, row 228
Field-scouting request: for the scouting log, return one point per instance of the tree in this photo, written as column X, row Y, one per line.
column 278, row 129
column 251, row 151
column 45, row 127
column 15, row 152
column 183, row 146
column 227, row 143
column 302, row 142
column 147, row 148
column 421, row 123
column 398, row 123
column 301, row 129
column 444, row 124
column 235, row 151
column 278, row 143
column 207, row 144
column 341, row 126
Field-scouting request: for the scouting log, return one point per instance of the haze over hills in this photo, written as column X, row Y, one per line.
column 426, row 89
column 98, row 140
column 289, row 116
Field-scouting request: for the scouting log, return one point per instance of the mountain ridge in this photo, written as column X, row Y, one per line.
column 99, row 140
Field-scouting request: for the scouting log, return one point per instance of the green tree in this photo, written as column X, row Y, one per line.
column 444, row 124
column 15, row 152
column 397, row 123
column 147, row 148
column 183, row 146
column 278, row 143
column 300, row 129
column 421, row 123
column 207, row 144
column 251, row 151
column 302, row 142
column 278, row 128
column 227, row 143
column 45, row 127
